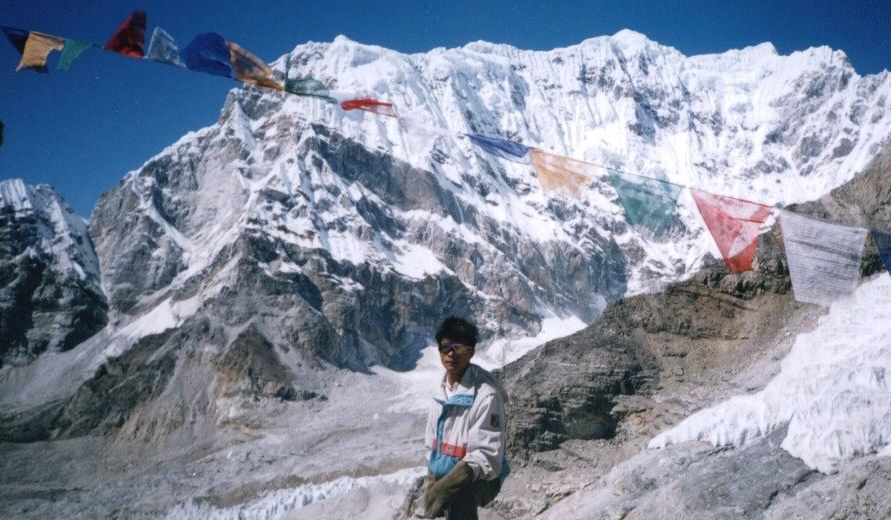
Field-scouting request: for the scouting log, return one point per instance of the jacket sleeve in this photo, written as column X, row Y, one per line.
column 485, row 440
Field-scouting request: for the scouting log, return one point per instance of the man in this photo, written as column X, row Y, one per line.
column 465, row 430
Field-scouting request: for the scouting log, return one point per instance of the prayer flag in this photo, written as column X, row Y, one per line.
column 648, row 202
column 417, row 136
column 824, row 258
column 163, row 48
column 370, row 105
column 37, row 49
column 308, row 87
column 209, row 53
column 72, row 50
column 17, row 37
column 305, row 86
column 129, row 39
column 734, row 224
column 502, row 148
column 883, row 244
column 556, row 172
column 250, row 69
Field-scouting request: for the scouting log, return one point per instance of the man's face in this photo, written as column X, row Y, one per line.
column 455, row 357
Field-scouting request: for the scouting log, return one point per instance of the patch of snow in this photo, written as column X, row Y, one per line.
column 415, row 261
column 166, row 315
column 14, row 193
column 63, row 234
column 505, row 350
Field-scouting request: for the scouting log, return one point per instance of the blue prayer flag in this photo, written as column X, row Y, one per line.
column 17, row 37
column 883, row 244
column 510, row 150
column 209, row 53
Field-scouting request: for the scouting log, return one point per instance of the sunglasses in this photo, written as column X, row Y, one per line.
column 458, row 348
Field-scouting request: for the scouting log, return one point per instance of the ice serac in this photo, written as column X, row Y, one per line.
column 50, row 299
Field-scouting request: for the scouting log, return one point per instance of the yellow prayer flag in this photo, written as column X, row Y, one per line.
column 37, row 49
column 556, row 172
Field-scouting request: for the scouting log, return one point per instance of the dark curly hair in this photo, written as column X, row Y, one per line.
column 459, row 330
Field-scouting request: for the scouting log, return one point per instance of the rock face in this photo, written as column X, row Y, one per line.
column 50, row 298
column 694, row 481
column 646, row 344
column 567, row 389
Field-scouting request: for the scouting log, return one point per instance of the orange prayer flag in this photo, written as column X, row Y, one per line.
column 251, row 69
column 556, row 172
column 734, row 224
column 383, row 108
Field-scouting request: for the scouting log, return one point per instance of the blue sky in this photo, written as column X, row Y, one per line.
column 83, row 130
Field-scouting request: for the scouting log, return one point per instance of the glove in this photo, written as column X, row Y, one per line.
column 441, row 492
column 428, row 492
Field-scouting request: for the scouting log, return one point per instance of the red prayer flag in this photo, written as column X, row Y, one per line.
column 129, row 39
column 734, row 224
column 370, row 105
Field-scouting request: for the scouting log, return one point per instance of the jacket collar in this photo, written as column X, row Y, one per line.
column 464, row 393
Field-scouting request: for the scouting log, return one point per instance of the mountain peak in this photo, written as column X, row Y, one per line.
column 630, row 38
column 14, row 193
column 50, row 273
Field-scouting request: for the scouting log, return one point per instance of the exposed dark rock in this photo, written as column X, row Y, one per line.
column 566, row 389
column 353, row 313
column 698, row 341
column 251, row 367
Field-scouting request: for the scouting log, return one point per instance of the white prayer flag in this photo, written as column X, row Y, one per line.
column 824, row 258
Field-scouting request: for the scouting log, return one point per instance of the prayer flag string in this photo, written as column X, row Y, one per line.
column 824, row 258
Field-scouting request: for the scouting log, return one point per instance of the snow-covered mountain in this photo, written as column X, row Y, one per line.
column 248, row 263
column 351, row 210
column 50, row 299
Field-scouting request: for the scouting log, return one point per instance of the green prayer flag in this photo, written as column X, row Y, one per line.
column 70, row 52
column 649, row 203
column 306, row 86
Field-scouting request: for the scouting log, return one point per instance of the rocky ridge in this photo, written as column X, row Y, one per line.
column 50, row 299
